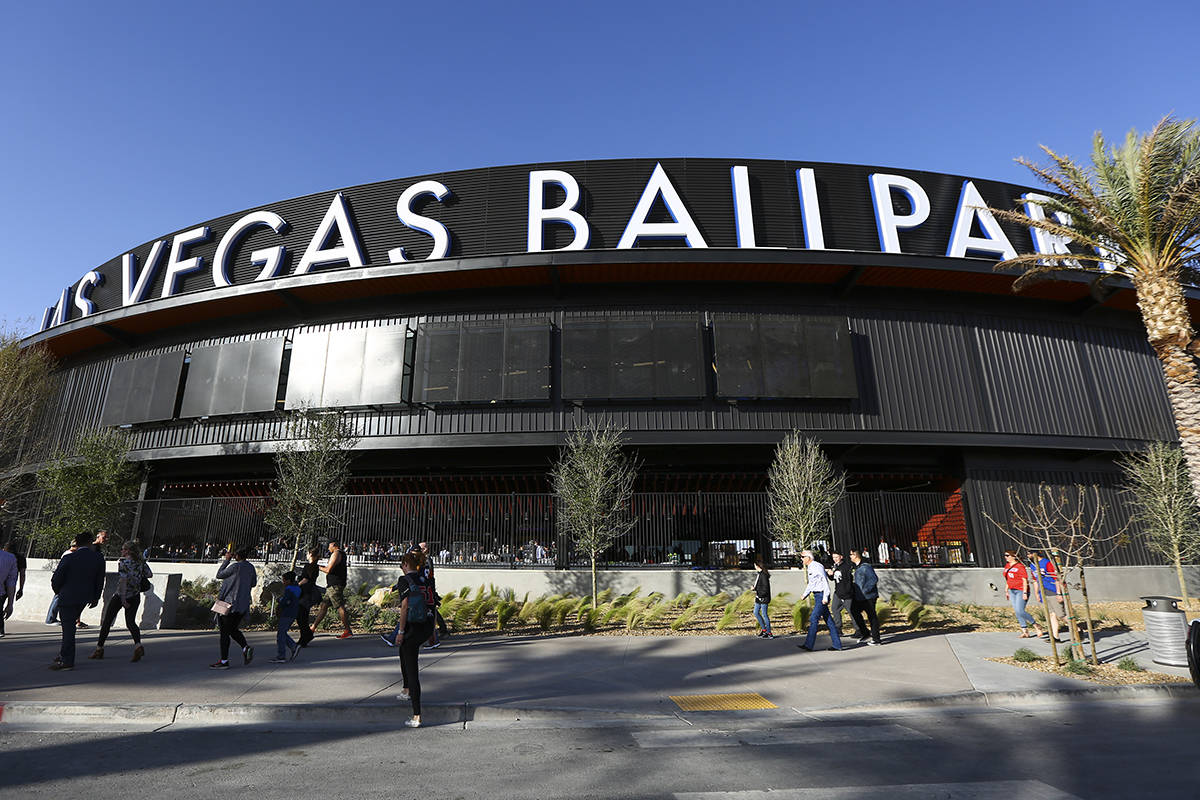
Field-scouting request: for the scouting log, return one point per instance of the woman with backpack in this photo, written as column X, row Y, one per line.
column 133, row 578
column 416, row 616
column 310, row 595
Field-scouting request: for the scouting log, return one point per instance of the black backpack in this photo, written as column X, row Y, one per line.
column 418, row 606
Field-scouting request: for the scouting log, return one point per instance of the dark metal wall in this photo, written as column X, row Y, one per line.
column 939, row 375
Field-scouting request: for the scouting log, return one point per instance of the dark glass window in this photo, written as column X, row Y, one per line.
column 479, row 362
column 142, row 389
column 235, row 378
column 359, row 367
column 764, row 356
column 631, row 356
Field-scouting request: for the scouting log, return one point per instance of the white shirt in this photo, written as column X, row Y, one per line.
column 817, row 581
column 883, row 552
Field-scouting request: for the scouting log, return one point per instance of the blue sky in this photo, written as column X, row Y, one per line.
column 122, row 122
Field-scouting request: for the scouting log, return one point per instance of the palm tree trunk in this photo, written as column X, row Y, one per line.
column 1169, row 329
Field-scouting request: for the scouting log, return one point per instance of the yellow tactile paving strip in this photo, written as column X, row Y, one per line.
column 747, row 701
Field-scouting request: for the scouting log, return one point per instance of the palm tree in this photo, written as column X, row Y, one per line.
column 1137, row 208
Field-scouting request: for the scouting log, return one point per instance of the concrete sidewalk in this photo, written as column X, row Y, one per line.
column 501, row 677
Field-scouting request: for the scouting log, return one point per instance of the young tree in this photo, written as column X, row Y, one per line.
column 803, row 486
column 86, row 490
column 1156, row 481
column 26, row 385
column 593, row 486
column 312, row 469
column 1068, row 525
column 1133, row 213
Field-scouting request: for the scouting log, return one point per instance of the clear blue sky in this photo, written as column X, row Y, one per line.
column 122, row 121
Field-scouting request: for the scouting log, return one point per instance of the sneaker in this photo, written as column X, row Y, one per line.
column 389, row 641
column 412, row 722
column 874, row 643
column 831, row 647
column 278, row 660
column 805, row 647
column 403, row 695
column 138, row 652
column 768, row 635
column 98, row 653
column 247, row 655
column 219, row 665
column 346, row 634
column 433, row 646
column 81, row 624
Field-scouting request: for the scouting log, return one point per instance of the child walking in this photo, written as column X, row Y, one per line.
column 762, row 598
column 287, row 608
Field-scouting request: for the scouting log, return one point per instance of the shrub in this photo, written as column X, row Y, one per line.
column 1129, row 664
column 683, row 600
column 729, row 617
column 545, row 614
column 505, row 611
column 483, row 607
column 656, row 611
column 389, row 618
column 1077, row 666
column 589, row 618
column 1025, row 655
column 626, row 598
column 801, row 612
column 562, row 608
column 685, row 618
column 611, row 610
column 605, row 596
column 744, row 604
column 370, row 616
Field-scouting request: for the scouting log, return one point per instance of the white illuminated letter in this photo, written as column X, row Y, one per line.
column 350, row 250
column 177, row 265
column 134, row 284
column 743, row 209
column 441, row 236
column 539, row 216
column 970, row 208
column 62, row 308
column 1045, row 241
column 887, row 221
column 810, row 209
column 270, row 258
column 83, row 292
column 682, row 228
column 47, row 317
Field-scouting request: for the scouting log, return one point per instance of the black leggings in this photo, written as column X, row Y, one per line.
column 415, row 635
column 306, row 634
column 110, row 615
column 228, row 623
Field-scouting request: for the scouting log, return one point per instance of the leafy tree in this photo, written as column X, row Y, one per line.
column 1157, row 484
column 1133, row 213
column 86, row 490
column 803, row 486
column 312, row 468
column 26, row 385
column 593, row 486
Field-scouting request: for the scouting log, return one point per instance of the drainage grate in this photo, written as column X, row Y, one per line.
column 747, row 701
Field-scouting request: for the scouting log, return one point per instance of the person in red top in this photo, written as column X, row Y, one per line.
column 1016, row 577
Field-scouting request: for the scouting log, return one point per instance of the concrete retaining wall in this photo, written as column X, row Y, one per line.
column 157, row 609
column 945, row 585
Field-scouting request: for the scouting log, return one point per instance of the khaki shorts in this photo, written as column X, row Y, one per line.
column 1054, row 604
column 334, row 597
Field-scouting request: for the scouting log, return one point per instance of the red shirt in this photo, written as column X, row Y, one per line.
column 1015, row 576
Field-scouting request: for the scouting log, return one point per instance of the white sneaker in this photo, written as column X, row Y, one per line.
column 403, row 695
column 412, row 723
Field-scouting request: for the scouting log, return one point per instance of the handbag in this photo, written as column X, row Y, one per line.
column 221, row 608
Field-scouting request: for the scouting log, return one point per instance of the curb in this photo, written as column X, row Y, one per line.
column 377, row 714
column 975, row 698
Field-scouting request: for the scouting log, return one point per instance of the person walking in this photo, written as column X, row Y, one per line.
column 132, row 572
column 237, row 579
column 842, row 573
column 335, row 589
column 78, row 581
column 286, row 609
column 1016, row 578
column 9, row 573
column 416, row 615
column 310, row 595
column 865, row 584
column 762, row 599
column 433, row 597
column 1045, row 579
column 818, row 587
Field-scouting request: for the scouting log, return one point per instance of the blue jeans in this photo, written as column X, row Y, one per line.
column 1024, row 618
column 283, row 643
column 820, row 612
column 760, row 614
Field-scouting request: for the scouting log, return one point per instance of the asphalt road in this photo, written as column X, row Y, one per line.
column 1092, row 750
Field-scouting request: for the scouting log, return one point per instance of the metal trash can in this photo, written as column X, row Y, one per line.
column 1166, row 628
column 1193, row 648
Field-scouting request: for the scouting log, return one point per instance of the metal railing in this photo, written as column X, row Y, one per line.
column 696, row 530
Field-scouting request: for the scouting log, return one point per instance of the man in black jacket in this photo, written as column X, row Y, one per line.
column 842, row 574
column 866, row 592
column 78, row 581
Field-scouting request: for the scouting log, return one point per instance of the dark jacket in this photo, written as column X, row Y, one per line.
column 237, row 579
column 762, row 587
column 79, row 578
column 866, row 582
column 843, row 579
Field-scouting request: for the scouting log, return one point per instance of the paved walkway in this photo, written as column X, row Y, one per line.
column 508, row 677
